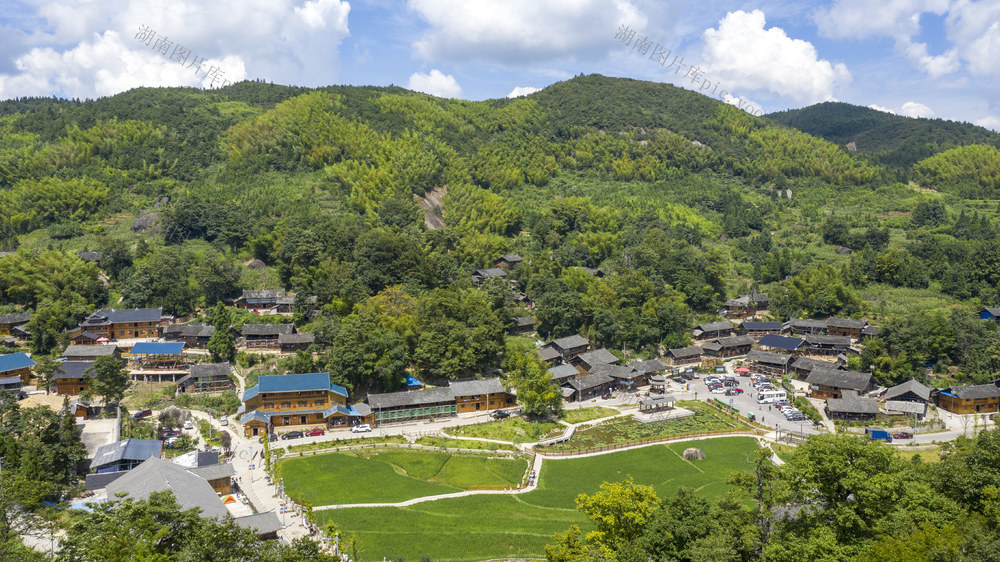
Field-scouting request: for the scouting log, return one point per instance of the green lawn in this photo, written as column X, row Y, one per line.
column 463, row 444
column 514, row 430
column 627, row 430
column 392, row 475
column 484, row 527
column 587, row 414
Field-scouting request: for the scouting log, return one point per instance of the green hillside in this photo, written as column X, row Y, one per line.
column 891, row 140
column 682, row 201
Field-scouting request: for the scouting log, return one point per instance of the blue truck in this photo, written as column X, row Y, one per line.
column 879, row 434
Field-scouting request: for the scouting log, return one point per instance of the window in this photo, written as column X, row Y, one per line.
column 302, row 404
column 286, row 404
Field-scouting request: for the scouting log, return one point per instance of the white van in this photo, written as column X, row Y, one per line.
column 771, row 396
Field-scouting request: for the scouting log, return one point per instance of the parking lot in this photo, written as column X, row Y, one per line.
column 746, row 402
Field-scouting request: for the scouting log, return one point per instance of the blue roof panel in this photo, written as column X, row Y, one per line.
column 14, row 361
column 157, row 348
column 293, row 383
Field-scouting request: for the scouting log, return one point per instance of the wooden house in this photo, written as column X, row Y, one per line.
column 480, row 275
column 91, row 352
column 626, row 376
column 10, row 321
column 851, row 407
column 15, row 371
column 588, row 387
column 508, row 261
column 830, row 383
column 290, row 343
column 783, row 344
column 73, row 377
column 413, row 405
column 728, row 347
column 909, row 391
column 828, row 345
column 712, row 330
column 266, row 336
column 268, row 300
column 806, row 327
column 562, row 373
column 745, row 306
column 481, row 395
column 970, row 399
column 905, row 408
column 684, row 355
column 767, row 363
column 570, row 346
column 291, row 400
column 156, row 355
column 802, row 366
column 549, row 355
column 524, row 325
column 757, row 330
column 206, row 377
column 129, row 323
column 845, row 327
column 590, row 359
column 194, row 336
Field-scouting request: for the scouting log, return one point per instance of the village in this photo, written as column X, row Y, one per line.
column 785, row 381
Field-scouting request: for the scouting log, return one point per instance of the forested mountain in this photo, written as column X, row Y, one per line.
column 682, row 201
column 892, row 140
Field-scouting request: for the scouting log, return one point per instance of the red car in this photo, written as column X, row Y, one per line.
column 902, row 435
column 315, row 432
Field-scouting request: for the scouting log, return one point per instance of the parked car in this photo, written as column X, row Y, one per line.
column 315, row 432
column 142, row 414
column 500, row 414
column 188, row 424
column 224, row 421
column 679, row 379
column 731, row 392
column 292, row 435
column 272, row 438
column 902, row 435
column 362, row 428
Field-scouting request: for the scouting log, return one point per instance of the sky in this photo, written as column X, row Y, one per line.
column 918, row 58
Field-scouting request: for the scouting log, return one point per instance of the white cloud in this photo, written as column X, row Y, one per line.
column 742, row 54
column 882, row 109
column 435, row 83
column 990, row 123
column 89, row 49
column 914, row 109
column 863, row 18
column 521, row 31
column 519, row 91
column 746, row 104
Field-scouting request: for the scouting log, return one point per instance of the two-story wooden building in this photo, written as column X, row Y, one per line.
column 10, row 321
column 123, row 324
column 194, row 336
column 757, row 330
column 683, row 356
column 91, row 352
column 829, row 383
column 206, row 377
column 291, row 400
column 73, row 377
column 806, row 326
column 712, row 330
column 972, row 399
column 481, row 395
column 767, row 363
column 845, row 327
column 570, row 346
column 745, row 306
column 728, row 347
column 268, row 300
column 265, row 336
column 15, row 371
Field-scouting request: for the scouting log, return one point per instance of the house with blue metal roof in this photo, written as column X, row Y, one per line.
column 287, row 401
column 15, row 370
column 163, row 355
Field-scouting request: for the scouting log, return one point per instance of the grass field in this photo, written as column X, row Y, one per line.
column 431, row 441
column 514, row 430
column 627, row 430
column 392, row 475
column 587, row 414
column 484, row 527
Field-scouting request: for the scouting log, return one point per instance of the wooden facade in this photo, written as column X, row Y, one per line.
column 481, row 395
column 292, row 400
column 974, row 399
column 15, row 371
column 72, row 377
column 121, row 324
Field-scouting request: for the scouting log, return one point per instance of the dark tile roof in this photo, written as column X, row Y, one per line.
column 735, row 341
column 564, row 371
column 589, row 381
column 852, row 404
column 649, row 366
column 548, row 354
column 807, row 323
column 267, row 329
column 490, row 272
column 715, row 326
column 477, row 387
column 214, row 370
column 299, row 338
column 129, row 449
column 819, row 339
column 782, row 342
column 16, row 318
column 116, row 316
column 413, row 398
column 90, row 350
column 598, row 356
column 570, row 342
column 512, row 258
column 840, row 379
column 974, row 391
column 266, row 523
column 525, row 321
column 262, row 294
column 685, row 351
column 911, row 385
column 761, row 325
column 73, row 370
column 769, row 358
column 848, row 323
column 809, row 364
column 155, row 475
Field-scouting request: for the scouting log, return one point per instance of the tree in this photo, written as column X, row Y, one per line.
column 45, row 368
column 109, row 379
column 221, row 345
column 620, row 511
column 537, row 394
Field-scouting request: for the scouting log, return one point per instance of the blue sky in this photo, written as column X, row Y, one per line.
column 919, row 58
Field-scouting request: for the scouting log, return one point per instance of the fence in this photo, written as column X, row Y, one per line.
column 617, row 446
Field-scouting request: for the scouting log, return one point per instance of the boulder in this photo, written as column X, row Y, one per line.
column 694, row 454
